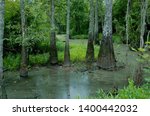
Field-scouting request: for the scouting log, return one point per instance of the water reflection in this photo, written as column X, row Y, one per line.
column 57, row 83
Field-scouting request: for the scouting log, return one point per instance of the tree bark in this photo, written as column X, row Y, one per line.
column 106, row 57
column 144, row 5
column 127, row 28
column 53, row 49
column 96, row 24
column 67, row 50
column 24, row 52
column 2, row 84
column 127, row 21
column 90, row 45
column 1, row 37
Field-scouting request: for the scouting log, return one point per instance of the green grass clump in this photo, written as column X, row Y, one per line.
column 12, row 62
column 38, row 59
column 129, row 92
column 133, row 92
column 77, row 52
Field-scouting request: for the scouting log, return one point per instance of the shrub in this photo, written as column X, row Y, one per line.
column 133, row 92
column 12, row 62
column 117, row 39
column 129, row 92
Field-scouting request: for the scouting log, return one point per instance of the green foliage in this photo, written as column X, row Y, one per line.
column 133, row 92
column 144, row 55
column 101, row 94
column 129, row 92
column 100, row 35
column 119, row 21
column 77, row 54
column 117, row 39
column 37, row 25
column 77, row 51
column 12, row 62
column 39, row 59
column 79, row 37
column 60, row 46
column 80, row 56
column 60, row 16
column 12, row 8
column 12, row 25
column 79, row 17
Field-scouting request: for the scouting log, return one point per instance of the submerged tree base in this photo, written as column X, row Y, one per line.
column 106, row 57
column 24, row 73
column 90, row 51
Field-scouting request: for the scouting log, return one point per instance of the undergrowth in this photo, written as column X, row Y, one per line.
column 77, row 54
column 129, row 92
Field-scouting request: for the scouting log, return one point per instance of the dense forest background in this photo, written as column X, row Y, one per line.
column 33, row 28
column 38, row 23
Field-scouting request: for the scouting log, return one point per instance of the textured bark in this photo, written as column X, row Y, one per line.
column 127, row 27
column 100, row 4
column 106, row 57
column 1, row 37
column 67, row 50
column 90, row 45
column 96, row 24
column 24, row 53
column 144, row 5
column 53, row 49
column 2, row 83
column 127, row 21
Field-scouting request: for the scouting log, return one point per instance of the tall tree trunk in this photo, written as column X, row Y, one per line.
column 90, row 45
column 127, row 27
column 53, row 49
column 96, row 24
column 67, row 50
column 127, row 21
column 2, row 84
column 24, row 52
column 100, row 4
column 106, row 57
column 144, row 5
column 1, row 38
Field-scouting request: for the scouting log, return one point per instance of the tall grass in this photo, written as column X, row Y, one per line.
column 77, row 54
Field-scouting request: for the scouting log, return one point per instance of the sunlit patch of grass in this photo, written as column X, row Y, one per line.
column 77, row 52
column 38, row 59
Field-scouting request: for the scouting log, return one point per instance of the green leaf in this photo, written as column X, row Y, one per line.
column 141, row 49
